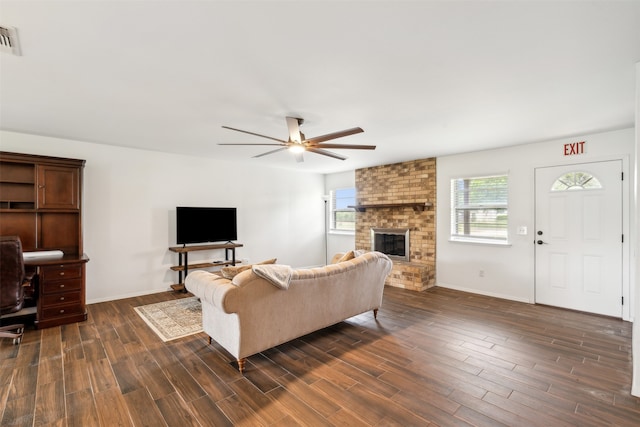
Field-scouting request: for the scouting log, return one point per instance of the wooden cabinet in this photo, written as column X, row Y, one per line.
column 58, row 187
column 41, row 201
column 61, row 297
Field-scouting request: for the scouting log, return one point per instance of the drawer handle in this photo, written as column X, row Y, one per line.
column 62, row 273
column 61, row 311
column 62, row 286
column 61, row 298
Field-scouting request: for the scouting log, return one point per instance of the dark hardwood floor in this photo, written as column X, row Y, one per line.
column 438, row 357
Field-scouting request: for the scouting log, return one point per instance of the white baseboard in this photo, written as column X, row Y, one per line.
column 131, row 295
column 485, row 293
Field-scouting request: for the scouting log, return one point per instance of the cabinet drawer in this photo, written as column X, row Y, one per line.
column 58, row 272
column 57, row 286
column 61, row 298
column 61, row 310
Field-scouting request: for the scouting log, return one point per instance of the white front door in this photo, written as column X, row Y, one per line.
column 578, row 237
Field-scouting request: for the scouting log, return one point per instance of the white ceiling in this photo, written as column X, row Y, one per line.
column 422, row 78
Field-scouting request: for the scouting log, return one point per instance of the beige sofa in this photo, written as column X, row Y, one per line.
column 251, row 313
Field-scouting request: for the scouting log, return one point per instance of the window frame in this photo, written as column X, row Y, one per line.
column 498, row 233
column 577, row 183
column 333, row 229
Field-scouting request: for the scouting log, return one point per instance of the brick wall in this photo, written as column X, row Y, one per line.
column 406, row 182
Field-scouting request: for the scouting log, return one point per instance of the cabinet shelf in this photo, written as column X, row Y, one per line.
column 18, row 173
column 181, row 249
column 17, row 181
column 202, row 265
column 17, row 206
column 416, row 206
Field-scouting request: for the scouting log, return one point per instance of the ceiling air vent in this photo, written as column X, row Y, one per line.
column 9, row 40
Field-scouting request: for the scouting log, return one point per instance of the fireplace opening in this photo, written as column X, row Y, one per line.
column 394, row 242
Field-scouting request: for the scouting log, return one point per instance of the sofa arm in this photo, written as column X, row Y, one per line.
column 213, row 289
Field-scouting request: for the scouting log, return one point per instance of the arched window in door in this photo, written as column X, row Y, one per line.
column 576, row 181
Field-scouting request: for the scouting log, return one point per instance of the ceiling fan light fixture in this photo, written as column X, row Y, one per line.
column 297, row 148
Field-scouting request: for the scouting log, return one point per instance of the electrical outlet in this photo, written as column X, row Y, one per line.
column 522, row 230
column 481, row 273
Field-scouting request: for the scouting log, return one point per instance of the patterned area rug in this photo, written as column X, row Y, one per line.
column 173, row 319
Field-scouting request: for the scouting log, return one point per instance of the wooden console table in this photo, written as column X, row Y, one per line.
column 183, row 260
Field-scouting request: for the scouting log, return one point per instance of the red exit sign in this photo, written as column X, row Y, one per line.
column 574, row 148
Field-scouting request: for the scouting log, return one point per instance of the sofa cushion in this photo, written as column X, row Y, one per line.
column 231, row 271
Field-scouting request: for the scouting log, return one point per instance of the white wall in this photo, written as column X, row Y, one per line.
column 129, row 202
column 509, row 270
column 339, row 242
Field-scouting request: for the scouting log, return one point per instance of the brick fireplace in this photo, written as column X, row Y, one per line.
column 393, row 197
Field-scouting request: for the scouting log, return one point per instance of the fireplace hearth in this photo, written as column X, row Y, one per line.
column 394, row 242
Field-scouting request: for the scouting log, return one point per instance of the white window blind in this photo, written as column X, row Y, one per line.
column 479, row 208
column 343, row 218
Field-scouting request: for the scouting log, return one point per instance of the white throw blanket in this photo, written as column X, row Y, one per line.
column 278, row 275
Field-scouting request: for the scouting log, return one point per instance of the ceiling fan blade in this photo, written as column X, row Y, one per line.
column 293, row 124
column 325, row 153
column 255, row 134
column 285, row 145
column 334, row 135
column 270, row 152
column 347, row 146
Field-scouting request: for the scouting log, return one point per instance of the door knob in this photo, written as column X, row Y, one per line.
column 540, row 242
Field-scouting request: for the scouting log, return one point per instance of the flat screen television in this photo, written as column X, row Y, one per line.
column 203, row 225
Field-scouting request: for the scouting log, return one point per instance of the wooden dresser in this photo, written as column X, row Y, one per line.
column 41, row 201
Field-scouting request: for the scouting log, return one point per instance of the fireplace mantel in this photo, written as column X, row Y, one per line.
column 417, row 206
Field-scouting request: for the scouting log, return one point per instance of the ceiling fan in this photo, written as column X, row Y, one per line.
column 298, row 143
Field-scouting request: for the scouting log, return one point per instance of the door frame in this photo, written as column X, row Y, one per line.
column 628, row 306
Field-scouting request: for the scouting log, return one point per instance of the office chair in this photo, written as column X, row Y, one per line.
column 13, row 281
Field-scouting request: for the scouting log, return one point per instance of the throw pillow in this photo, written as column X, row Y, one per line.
column 346, row 257
column 336, row 257
column 231, row 271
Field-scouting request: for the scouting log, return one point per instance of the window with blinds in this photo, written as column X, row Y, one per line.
column 343, row 218
column 479, row 209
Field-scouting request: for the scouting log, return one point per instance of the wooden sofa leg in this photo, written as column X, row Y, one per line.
column 209, row 340
column 375, row 313
column 241, row 365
